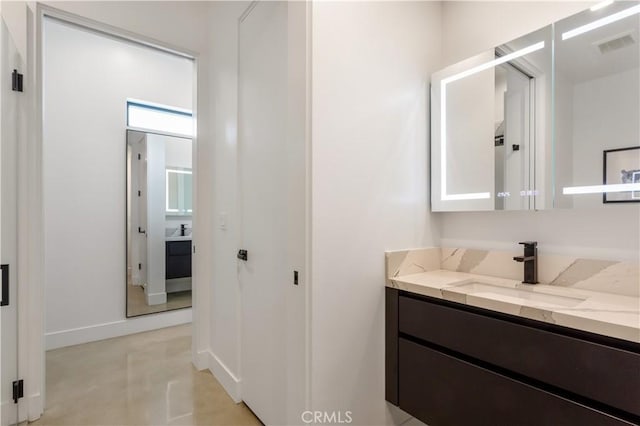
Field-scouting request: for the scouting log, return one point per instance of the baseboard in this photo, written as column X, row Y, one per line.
column 178, row 284
column 9, row 410
column 35, row 408
column 156, row 298
column 7, row 413
column 76, row 336
column 201, row 360
column 227, row 379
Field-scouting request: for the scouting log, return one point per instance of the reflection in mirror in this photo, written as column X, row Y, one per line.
column 488, row 114
column 159, row 209
column 179, row 187
column 597, row 107
column 512, row 136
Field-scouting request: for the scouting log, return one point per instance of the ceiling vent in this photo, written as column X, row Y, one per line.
column 615, row 43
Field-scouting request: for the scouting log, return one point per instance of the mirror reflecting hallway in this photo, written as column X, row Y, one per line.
column 139, row 379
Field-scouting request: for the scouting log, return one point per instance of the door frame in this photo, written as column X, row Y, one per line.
column 32, row 295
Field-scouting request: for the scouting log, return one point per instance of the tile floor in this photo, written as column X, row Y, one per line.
column 141, row 379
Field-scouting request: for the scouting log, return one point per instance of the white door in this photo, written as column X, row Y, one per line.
column 10, row 102
column 262, row 162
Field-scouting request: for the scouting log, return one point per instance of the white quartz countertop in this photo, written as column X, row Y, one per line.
column 602, row 313
column 179, row 238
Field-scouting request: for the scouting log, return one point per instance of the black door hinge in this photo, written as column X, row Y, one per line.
column 140, row 266
column 139, row 193
column 139, row 156
column 16, row 81
column 18, row 390
column 5, row 285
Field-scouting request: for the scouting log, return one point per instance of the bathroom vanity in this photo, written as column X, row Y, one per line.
column 464, row 348
column 178, row 258
column 449, row 363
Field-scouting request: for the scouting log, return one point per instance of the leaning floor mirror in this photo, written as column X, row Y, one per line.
column 159, row 217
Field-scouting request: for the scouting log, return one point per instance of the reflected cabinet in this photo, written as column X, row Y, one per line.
column 549, row 120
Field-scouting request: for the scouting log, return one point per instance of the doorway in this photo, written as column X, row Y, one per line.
column 85, row 122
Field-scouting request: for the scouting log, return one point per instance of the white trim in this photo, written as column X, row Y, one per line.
column 156, row 298
column 161, row 133
column 34, row 407
column 308, row 262
column 76, row 336
column 168, row 108
column 200, row 360
column 112, row 31
column 228, row 380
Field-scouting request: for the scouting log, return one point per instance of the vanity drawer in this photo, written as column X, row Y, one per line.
column 442, row 390
column 178, row 248
column 601, row 373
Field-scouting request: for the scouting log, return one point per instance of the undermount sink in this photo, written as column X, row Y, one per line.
column 518, row 294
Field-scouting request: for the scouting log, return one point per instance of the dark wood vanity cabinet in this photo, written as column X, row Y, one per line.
column 452, row 364
column 178, row 259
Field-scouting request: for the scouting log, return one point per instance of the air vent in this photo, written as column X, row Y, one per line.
column 615, row 43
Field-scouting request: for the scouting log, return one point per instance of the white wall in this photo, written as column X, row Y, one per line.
column 84, row 167
column 371, row 67
column 177, row 152
column 470, row 27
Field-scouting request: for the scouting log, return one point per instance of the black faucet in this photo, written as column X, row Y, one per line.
column 182, row 229
column 530, row 260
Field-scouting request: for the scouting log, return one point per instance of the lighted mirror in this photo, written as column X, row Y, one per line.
column 159, row 209
column 179, row 191
column 597, row 112
column 488, row 115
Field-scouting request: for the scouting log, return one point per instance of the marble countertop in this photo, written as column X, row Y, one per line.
column 602, row 313
column 179, row 238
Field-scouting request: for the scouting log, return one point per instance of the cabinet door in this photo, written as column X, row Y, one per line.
column 178, row 259
column 568, row 363
column 442, row 390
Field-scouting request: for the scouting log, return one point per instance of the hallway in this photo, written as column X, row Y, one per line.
column 140, row 379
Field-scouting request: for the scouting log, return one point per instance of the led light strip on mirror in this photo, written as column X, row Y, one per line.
column 611, row 188
column 443, row 117
column 599, row 189
column 601, row 22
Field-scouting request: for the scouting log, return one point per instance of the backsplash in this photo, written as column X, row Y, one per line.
column 407, row 262
column 617, row 277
